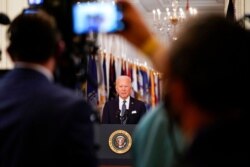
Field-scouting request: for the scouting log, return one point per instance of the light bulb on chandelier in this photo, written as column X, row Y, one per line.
column 167, row 23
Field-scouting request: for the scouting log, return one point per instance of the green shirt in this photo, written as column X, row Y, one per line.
column 153, row 143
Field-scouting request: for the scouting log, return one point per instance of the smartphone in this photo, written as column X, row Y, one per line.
column 96, row 17
column 35, row 2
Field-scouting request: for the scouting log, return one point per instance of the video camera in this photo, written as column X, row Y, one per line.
column 79, row 22
column 72, row 65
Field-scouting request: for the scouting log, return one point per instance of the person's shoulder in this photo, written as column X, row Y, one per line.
column 68, row 98
column 64, row 92
column 71, row 101
column 154, row 118
column 152, row 126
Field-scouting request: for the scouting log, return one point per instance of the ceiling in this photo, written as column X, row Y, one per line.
column 203, row 6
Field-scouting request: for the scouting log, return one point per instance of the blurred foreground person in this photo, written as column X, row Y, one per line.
column 124, row 109
column 41, row 124
column 206, row 84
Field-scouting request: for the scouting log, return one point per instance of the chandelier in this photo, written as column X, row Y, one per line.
column 169, row 21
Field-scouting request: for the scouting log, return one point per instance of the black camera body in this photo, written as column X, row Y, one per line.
column 79, row 22
column 72, row 64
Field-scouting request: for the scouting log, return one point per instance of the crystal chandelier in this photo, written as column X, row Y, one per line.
column 167, row 22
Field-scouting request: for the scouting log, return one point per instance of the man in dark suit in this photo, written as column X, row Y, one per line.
column 124, row 109
column 41, row 123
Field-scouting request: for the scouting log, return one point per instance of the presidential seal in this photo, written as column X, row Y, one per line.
column 120, row 141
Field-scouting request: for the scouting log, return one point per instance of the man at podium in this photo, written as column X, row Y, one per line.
column 124, row 109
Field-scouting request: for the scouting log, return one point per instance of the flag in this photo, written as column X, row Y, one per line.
column 92, row 94
column 134, row 76
column 158, row 87
column 123, row 67
column 129, row 69
column 230, row 15
column 152, row 89
column 102, row 78
column 118, row 65
column 140, row 84
column 112, row 78
column 104, row 69
column 146, row 87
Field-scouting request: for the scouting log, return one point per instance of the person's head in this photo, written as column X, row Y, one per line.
column 33, row 37
column 208, row 69
column 123, row 86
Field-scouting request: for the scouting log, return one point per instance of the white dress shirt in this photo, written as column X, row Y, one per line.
column 121, row 102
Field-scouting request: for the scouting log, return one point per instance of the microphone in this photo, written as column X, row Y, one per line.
column 125, row 113
column 4, row 19
column 122, row 114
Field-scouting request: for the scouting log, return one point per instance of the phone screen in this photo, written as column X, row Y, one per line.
column 35, row 2
column 96, row 17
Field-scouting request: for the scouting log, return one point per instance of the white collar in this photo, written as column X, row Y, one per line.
column 127, row 99
column 121, row 102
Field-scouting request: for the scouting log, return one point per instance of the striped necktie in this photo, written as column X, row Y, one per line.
column 123, row 119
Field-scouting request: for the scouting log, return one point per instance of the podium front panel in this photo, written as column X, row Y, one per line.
column 107, row 154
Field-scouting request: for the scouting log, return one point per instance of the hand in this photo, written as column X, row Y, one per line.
column 136, row 30
column 138, row 33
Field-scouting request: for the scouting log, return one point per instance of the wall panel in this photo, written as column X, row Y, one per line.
column 12, row 8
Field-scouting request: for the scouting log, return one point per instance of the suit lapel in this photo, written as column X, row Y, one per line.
column 131, row 107
column 117, row 110
column 131, row 104
column 117, row 104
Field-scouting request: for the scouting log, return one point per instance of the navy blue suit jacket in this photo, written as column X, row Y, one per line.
column 43, row 124
column 111, row 111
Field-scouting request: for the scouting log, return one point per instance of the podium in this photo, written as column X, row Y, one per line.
column 111, row 150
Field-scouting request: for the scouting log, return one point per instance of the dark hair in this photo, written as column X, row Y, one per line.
column 33, row 37
column 211, row 58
